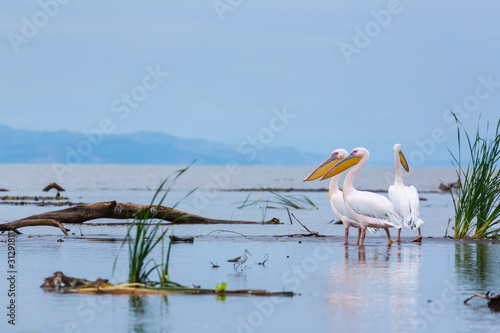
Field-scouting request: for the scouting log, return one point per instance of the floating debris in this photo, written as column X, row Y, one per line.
column 62, row 283
column 53, row 185
column 176, row 239
column 493, row 300
column 451, row 186
column 59, row 280
column 36, row 200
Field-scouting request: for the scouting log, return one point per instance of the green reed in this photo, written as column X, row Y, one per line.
column 145, row 233
column 476, row 202
column 278, row 200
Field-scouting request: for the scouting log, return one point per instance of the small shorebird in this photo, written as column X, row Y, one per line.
column 240, row 260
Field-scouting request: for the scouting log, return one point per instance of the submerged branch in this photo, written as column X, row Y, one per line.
column 493, row 299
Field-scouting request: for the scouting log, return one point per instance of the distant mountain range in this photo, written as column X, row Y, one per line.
column 23, row 146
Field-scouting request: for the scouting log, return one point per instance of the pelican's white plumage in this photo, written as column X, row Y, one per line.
column 336, row 199
column 404, row 198
column 369, row 209
column 335, row 194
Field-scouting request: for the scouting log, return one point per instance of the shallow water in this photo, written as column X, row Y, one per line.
column 407, row 287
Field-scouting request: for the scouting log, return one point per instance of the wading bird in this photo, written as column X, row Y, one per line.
column 335, row 194
column 405, row 198
column 369, row 209
column 240, row 260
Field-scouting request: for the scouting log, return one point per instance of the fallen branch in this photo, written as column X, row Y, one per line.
column 493, row 299
column 311, row 232
column 115, row 210
column 31, row 223
column 53, row 185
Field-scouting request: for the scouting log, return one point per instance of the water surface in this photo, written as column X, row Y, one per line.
column 407, row 287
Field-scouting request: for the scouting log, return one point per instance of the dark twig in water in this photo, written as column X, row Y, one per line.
column 288, row 211
column 214, row 265
column 311, row 232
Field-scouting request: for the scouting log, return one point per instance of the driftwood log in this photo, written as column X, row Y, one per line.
column 114, row 210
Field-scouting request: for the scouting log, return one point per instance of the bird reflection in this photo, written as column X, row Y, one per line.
column 375, row 282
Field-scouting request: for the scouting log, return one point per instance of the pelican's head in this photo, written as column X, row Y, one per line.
column 336, row 156
column 402, row 159
column 356, row 155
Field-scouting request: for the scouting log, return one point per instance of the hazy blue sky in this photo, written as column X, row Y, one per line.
column 347, row 73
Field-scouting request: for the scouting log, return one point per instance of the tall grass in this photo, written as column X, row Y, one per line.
column 144, row 234
column 477, row 201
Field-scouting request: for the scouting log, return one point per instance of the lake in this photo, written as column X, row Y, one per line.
column 408, row 287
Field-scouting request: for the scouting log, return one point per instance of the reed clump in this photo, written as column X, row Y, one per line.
column 280, row 201
column 144, row 234
column 476, row 202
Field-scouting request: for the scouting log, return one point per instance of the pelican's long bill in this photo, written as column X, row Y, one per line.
column 402, row 159
column 342, row 166
column 329, row 163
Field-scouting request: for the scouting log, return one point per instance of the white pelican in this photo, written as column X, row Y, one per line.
column 369, row 209
column 335, row 195
column 405, row 198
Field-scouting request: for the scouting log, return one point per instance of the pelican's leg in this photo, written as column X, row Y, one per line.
column 363, row 234
column 346, row 235
column 399, row 235
column 419, row 239
column 359, row 235
column 388, row 237
column 357, row 240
